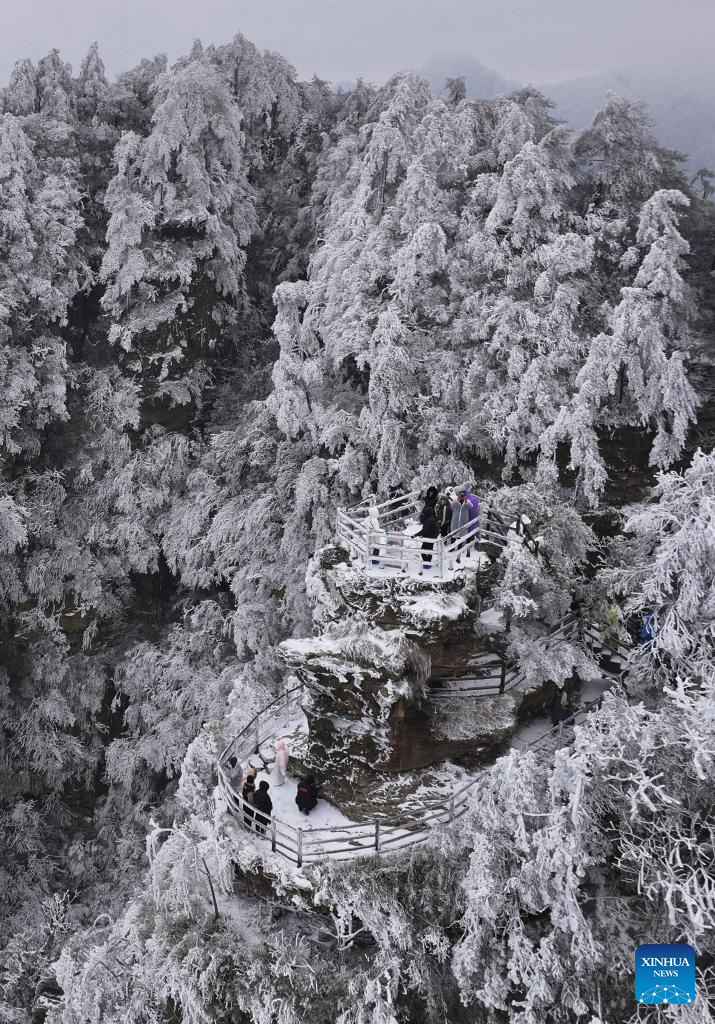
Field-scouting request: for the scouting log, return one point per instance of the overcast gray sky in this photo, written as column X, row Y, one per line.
column 530, row 40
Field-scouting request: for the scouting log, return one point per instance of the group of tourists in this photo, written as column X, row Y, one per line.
column 257, row 803
column 453, row 514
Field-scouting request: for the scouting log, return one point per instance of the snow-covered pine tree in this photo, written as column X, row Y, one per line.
column 55, row 91
column 634, row 373
column 39, row 220
column 92, row 85
column 20, row 97
column 181, row 213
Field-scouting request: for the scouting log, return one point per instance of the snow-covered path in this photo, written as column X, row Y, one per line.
column 538, row 728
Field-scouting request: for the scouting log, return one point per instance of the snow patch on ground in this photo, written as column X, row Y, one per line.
column 325, row 815
column 312, row 645
column 286, row 810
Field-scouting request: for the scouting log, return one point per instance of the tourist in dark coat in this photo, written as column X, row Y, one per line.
column 307, row 794
column 443, row 512
column 431, row 495
column 553, row 706
column 264, row 807
column 429, row 532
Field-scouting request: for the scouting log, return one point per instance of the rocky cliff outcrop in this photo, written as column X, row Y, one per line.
column 379, row 641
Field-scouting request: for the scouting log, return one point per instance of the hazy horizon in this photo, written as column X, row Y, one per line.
column 544, row 41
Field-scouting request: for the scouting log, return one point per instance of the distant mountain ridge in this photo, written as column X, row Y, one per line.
column 481, row 82
column 683, row 110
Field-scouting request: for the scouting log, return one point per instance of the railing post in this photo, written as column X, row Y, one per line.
column 300, row 847
column 368, row 549
column 256, row 744
column 273, row 835
column 451, row 808
column 377, row 835
column 441, row 557
column 579, row 619
column 502, row 681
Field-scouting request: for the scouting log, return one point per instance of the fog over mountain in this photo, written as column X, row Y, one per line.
column 682, row 106
column 481, row 81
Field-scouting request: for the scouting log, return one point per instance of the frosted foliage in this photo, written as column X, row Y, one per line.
column 180, row 213
column 671, row 570
column 168, row 697
column 55, row 87
column 21, row 96
column 619, row 153
column 230, row 303
column 634, row 373
column 262, row 84
column 92, row 87
column 12, row 528
column 539, row 842
column 451, row 306
column 39, row 221
column 529, row 197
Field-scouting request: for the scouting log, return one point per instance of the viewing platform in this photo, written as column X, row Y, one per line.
column 398, row 714
column 385, row 539
column 332, row 836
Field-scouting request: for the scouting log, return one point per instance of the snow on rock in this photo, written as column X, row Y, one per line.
column 359, row 678
column 337, row 588
column 358, row 651
column 433, row 606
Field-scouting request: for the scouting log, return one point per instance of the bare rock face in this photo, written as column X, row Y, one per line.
column 455, row 728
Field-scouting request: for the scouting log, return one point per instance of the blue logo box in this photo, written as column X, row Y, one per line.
column 665, row 974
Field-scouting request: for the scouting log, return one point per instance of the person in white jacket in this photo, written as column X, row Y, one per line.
column 372, row 523
column 280, row 766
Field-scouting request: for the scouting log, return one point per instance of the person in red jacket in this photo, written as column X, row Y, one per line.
column 307, row 794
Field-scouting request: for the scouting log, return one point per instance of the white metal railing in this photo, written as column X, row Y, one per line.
column 554, row 736
column 391, row 548
column 497, row 674
column 304, row 846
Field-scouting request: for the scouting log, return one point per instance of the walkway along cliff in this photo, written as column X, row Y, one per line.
column 405, row 690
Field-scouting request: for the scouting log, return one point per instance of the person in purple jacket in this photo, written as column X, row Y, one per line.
column 473, row 501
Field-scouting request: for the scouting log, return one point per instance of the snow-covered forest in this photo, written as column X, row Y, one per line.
column 231, row 303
